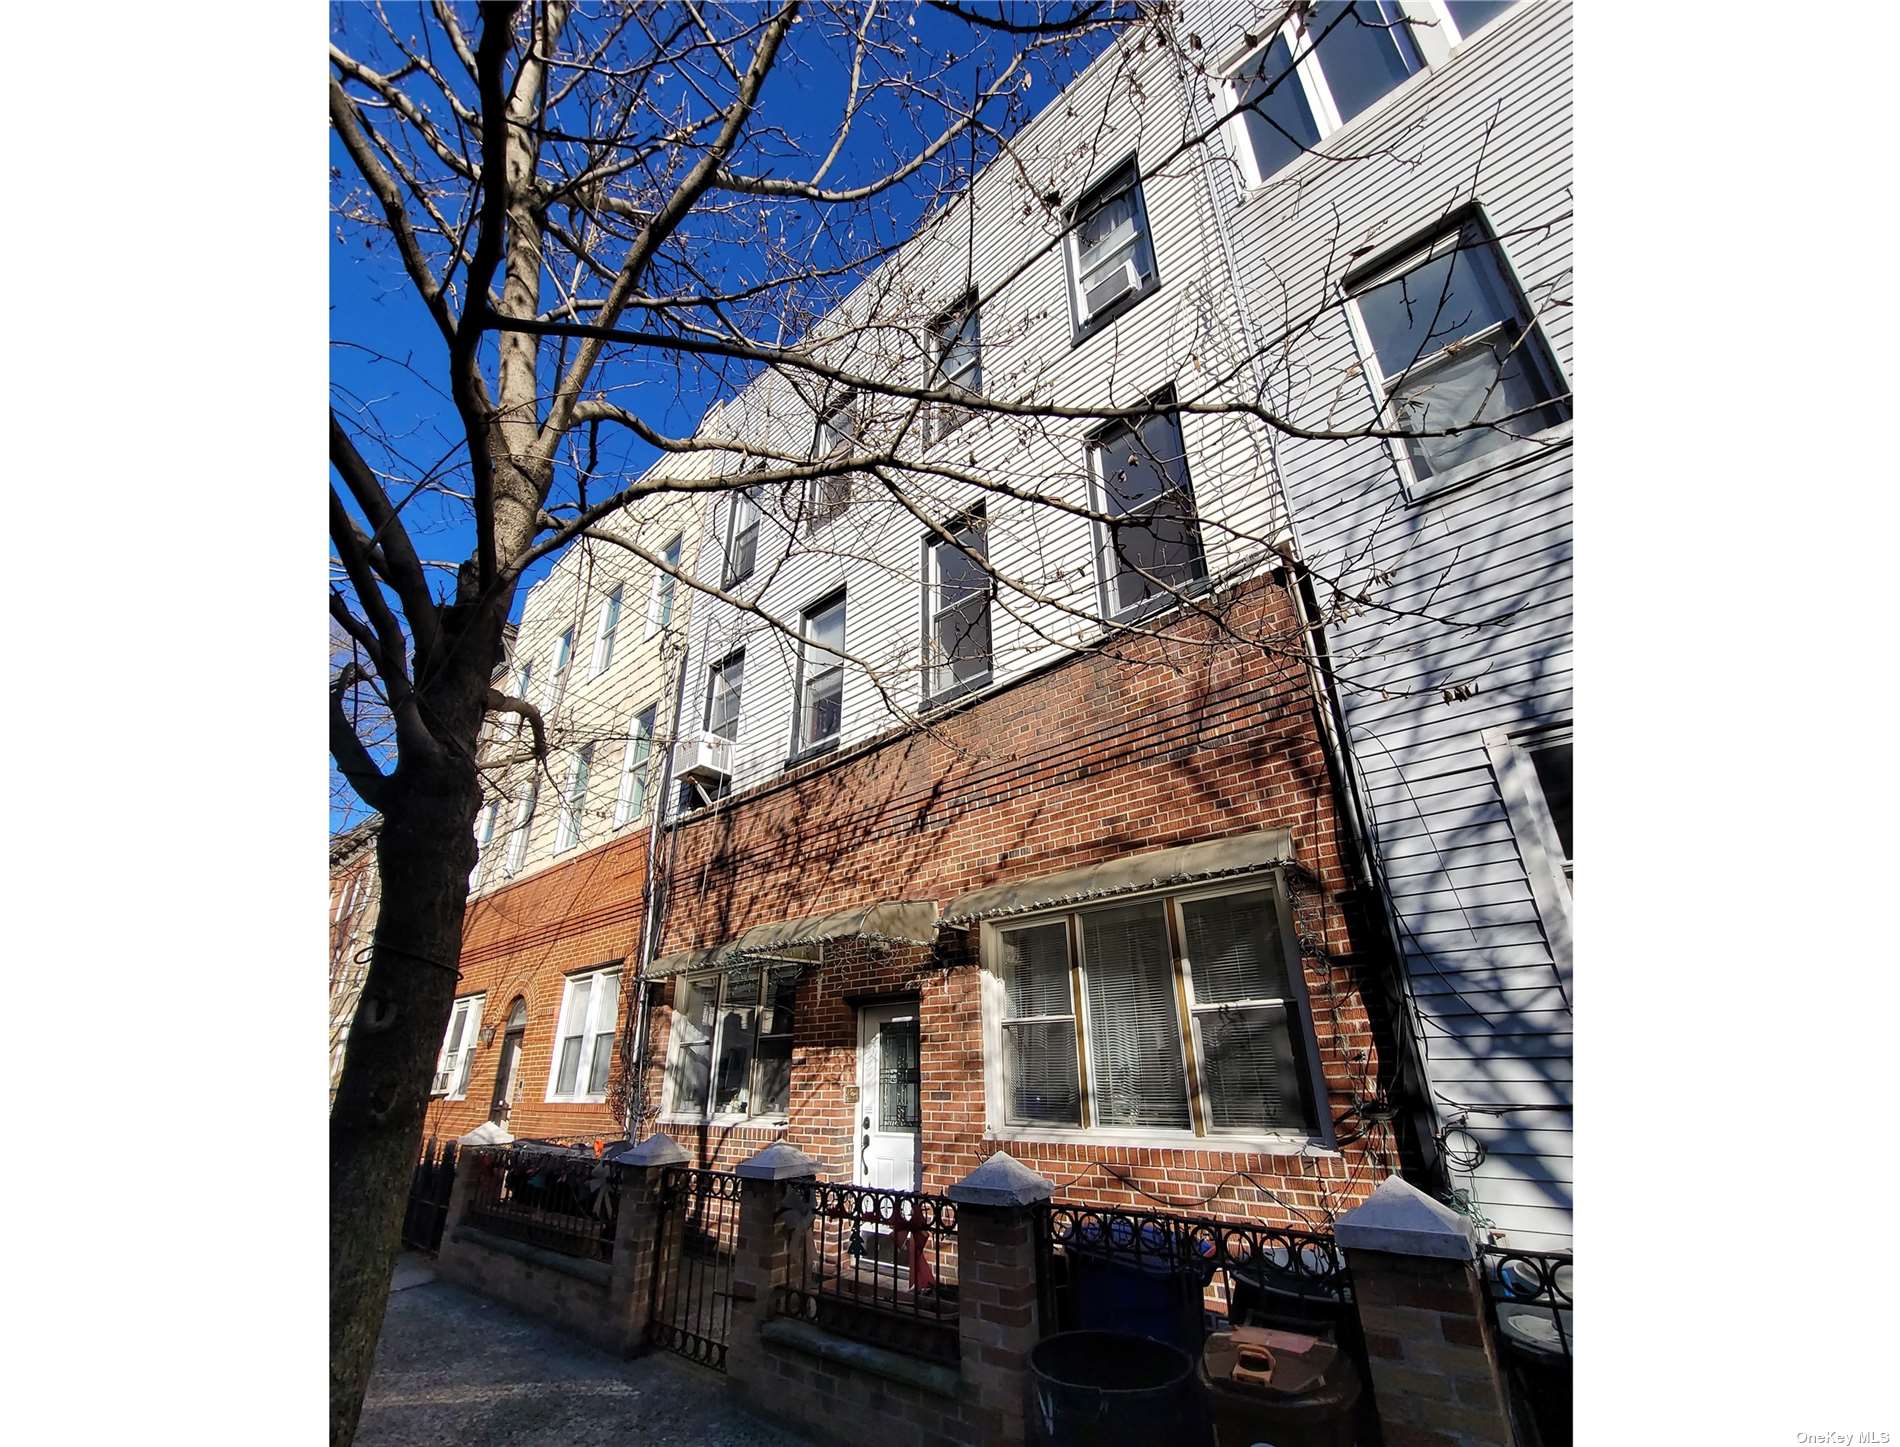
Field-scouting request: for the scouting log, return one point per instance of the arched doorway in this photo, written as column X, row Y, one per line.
column 508, row 1070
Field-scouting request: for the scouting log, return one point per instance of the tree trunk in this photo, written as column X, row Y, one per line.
column 425, row 853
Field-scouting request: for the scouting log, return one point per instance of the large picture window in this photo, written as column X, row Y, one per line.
column 1166, row 1014
column 731, row 1054
column 584, row 1038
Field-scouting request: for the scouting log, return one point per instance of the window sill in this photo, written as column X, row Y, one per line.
column 813, row 751
column 1081, row 331
column 600, row 1099
column 1479, row 468
column 1264, row 1145
column 1162, row 602
column 729, row 1122
column 952, row 695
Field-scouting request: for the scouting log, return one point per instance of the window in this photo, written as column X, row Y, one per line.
column 567, row 831
column 631, row 802
column 484, row 836
column 1533, row 773
column 557, row 680
column 609, row 626
column 1452, row 345
column 523, row 681
column 1277, row 121
column 957, row 592
column 1362, row 51
column 524, row 824
column 584, row 1039
column 1151, row 550
column 458, row 1049
column 742, row 536
column 1470, row 16
column 840, row 431
column 1177, row 1013
column 820, row 675
column 957, row 346
column 732, row 1045
column 665, row 585
column 1110, row 258
column 724, row 684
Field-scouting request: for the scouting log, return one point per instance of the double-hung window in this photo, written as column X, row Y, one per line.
column 1176, row 1013
column 1150, row 546
column 732, row 1045
column 724, row 685
column 524, row 680
column 665, row 586
column 568, row 828
column 557, row 680
column 957, row 590
column 452, row 1066
column 957, row 345
column 742, row 536
column 840, row 431
column 1533, row 773
column 631, row 802
column 1322, row 71
column 821, row 675
column 1454, row 354
column 584, row 1038
column 609, row 626
column 484, row 837
column 1110, row 256
column 523, row 826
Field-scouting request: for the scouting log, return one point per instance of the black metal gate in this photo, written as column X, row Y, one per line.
column 429, row 1188
column 698, row 1229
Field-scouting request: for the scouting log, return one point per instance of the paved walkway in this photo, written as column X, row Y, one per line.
column 454, row 1367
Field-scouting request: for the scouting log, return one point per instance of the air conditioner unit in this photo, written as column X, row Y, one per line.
column 705, row 756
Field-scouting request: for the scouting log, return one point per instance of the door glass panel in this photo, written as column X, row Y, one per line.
column 898, row 1103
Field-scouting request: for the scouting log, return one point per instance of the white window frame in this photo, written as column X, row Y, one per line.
column 715, row 673
column 994, row 1000
column 665, row 591
column 453, row 1072
column 484, row 840
column 568, row 826
column 590, row 1031
column 556, row 687
column 1141, row 260
column 1538, row 844
column 670, row 1113
column 609, row 626
column 1434, row 33
column 1415, row 249
column 523, row 826
column 744, row 498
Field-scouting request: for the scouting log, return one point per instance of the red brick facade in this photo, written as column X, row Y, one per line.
column 1092, row 759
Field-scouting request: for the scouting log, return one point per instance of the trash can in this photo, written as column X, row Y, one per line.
column 1137, row 1283
column 1114, row 1389
column 1318, row 1406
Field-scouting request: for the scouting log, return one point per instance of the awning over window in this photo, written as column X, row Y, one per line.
column 1183, row 864
column 900, row 921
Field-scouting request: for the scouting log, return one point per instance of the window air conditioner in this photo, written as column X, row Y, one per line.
column 705, row 756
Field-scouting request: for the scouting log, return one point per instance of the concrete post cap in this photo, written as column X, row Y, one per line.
column 486, row 1134
column 1002, row 1180
column 657, row 1149
column 777, row 1162
column 1401, row 1219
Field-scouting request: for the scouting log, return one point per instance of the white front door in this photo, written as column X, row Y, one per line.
column 890, row 1097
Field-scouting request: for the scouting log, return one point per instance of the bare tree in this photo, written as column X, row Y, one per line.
column 579, row 197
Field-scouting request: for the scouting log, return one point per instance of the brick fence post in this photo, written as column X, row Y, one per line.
column 763, row 1260
column 1428, row 1333
column 471, row 1152
column 637, row 1241
column 998, row 1316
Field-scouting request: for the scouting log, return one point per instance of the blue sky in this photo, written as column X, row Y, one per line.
column 386, row 355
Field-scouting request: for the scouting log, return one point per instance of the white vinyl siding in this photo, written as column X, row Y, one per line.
column 457, row 1056
column 584, row 1038
column 1124, row 1069
column 731, row 1051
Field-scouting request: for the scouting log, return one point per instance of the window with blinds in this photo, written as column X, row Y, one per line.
column 1188, row 1018
column 584, row 1038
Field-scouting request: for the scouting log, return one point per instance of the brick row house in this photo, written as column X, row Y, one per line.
column 1100, row 870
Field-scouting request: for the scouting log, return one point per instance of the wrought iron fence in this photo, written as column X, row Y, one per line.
column 1175, row 1276
column 696, row 1235
column 879, row 1266
column 429, row 1187
column 1529, row 1296
column 563, row 1199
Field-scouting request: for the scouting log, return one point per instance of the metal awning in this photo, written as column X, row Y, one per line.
column 1183, row 864
column 898, row 921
